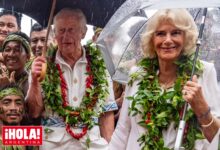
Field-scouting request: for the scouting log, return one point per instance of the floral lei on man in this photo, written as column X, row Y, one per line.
column 159, row 107
column 55, row 89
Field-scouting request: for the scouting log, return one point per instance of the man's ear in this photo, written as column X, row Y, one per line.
column 84, row 32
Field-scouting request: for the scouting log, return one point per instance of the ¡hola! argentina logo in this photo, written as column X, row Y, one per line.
column 22, row 135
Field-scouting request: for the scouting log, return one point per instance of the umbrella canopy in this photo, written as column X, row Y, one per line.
column 98, row 12
column 120, row 39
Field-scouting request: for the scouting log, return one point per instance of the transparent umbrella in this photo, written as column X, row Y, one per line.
column 120, row 39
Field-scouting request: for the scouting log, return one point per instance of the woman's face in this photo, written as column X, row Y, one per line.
column 168, row 42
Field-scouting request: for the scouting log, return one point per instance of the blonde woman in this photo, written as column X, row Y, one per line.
column 158, row 89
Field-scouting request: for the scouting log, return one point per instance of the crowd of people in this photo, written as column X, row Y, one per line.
column 78, row 104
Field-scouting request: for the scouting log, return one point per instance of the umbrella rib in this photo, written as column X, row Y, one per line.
column 197, row 14
column 131, row 41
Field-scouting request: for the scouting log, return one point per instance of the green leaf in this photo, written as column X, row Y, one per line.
column 97, row 94
column 161, row 107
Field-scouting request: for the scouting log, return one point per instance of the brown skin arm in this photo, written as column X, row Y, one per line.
column 192, row 93
column 106, row 124
column 34, row 96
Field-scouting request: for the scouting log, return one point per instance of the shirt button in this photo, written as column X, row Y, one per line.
column 75, row 81
column 75, row 98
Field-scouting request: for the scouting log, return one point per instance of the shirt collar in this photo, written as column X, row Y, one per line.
column 82, row 59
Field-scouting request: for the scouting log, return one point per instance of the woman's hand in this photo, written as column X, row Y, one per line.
column 192, row 93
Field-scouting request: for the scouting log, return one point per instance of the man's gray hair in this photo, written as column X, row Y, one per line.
column 68, row 12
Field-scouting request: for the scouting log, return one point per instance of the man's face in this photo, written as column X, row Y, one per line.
column 11, row 107
column 68, row 33
column 15, row 56
column 8, row 24
column 38, row 38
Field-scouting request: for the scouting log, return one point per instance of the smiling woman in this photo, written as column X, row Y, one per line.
column 159, row 87
column 168, row 41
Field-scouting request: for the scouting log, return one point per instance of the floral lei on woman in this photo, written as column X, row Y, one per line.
column 55, row 89
column 159, row 107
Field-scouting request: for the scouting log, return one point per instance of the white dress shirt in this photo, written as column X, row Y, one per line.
column 59, row 139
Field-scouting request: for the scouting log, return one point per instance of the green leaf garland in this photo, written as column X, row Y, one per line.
column 159, row 107
column 99, row 89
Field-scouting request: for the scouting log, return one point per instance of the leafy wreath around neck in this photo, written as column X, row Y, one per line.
column 160, row 107
column 55, row 89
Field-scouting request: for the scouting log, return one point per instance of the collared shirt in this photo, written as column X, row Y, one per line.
column 75, row 78
column 59, row 139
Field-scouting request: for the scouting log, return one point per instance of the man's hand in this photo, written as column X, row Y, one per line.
column 4, row 79
column 12, row 77
column 34, row 97
column 37, row 68
column 119, row 100
column 107, row 123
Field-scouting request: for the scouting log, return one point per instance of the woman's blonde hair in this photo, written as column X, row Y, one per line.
column 181, row 19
